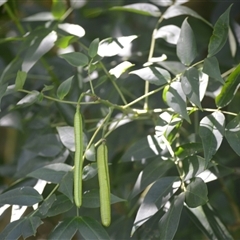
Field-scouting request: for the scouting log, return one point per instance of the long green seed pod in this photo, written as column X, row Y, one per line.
column 78, row 158
column 104, row 184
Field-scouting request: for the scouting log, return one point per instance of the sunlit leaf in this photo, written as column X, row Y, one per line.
column 229, row 89
column 154, row 75
column 38, row 48
column 186, row 45
column 66, row 135
column 232, row 134
column 29, row 99
column 25, row 196
column 220, row 33
column 203, row 78
column 120, row 69
column 176, row 99
column 147, row 147
column 91, row 199
column 112, row 46
column 91, row 153
column 211, row 68
column 93, row 48
column 196, row 193
column 89, row 171
column 178, row 10
column 191, row 86
column 168, row 224
column 139, row 8
column 192, row 166
column 51, row 173
column 76, row 59
column 73, row 29
column 42, row 16
column 64, row 88
column 211, row 131
column 155, row 170
column 156, row 197
column 169, row 33
column 162, row 3
column 219, row 229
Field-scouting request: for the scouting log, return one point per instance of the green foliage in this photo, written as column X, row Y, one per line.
column 172, row 122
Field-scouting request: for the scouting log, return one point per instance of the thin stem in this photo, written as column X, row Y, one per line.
column 228, row 72
column 150, row 55
column 113, row 82
column 142, row 97
column 14, row 18
column 97, row 130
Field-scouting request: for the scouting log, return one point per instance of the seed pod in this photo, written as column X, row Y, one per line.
column 104, row 184
column 78, row 158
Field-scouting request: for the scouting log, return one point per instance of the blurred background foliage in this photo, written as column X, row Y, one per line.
column 21, row 129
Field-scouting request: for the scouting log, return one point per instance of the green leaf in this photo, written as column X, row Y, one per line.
column 58, row 8
column 76, row 59
column 64, row 88
column 88, row 227
column 155, row 170
column 188, row 149
column 169, row 33
column 112, row 46
column 29, row 99
column 178, row 10
column 154, row 75
column 192, row 166
column 168, row 224
column 211, row 131
column 66, row 185
column 91, row 153
column 65, row 41
column 211, row 68
column 139, row 8
column 46, row 205
column 229, row 88
column 65, row 229
column 220, row 230
column 61, row 204
column 158, row 194
column 186, row 45
column 147, row 147
column 73, row 29
column 196, row 193
column 91, row 199
column 37, row 49
column 24, row 227
column 20, row 80
column 220, row 33
column 66, row 135
column 191, row 86
column 176, row 99
column 93, row 48
column 52, row 173
column 24, row 196
column 232, row 134
column 199, row 218
column 91, row 229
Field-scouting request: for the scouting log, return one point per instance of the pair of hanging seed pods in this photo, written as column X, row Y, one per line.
column 103, row 174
